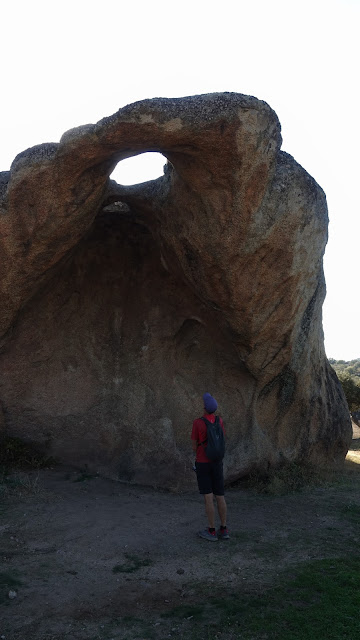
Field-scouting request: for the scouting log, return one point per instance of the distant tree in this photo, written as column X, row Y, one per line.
column 352, row 370
column 351, row 390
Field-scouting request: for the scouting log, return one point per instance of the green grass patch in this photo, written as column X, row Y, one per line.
column 351, row 512
column 8, row 581
column 21, row 483
column 321, row 602
column 132, row 563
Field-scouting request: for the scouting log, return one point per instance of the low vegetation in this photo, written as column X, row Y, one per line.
column 349, row 376
column 17, row 454
column 132, row 563
column 17, row 458
column 285, row 479
column 320, row 600
column 8, row 581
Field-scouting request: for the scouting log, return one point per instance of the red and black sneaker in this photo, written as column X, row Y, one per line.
column 223, row 534
column 208, row 535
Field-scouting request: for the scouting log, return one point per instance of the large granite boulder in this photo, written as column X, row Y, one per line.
column 120, row 306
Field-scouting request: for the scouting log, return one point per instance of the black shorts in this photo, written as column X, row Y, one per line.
column 210, row 477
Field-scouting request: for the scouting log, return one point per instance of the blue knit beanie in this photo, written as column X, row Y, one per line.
column 210, row 403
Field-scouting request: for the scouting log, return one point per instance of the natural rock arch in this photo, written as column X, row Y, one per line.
column 122, row 305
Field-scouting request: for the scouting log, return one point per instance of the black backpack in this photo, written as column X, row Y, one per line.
column 215, row 441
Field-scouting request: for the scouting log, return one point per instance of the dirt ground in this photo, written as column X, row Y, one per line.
column 87, row 558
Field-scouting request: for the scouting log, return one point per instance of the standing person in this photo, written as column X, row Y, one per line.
column 209, row 473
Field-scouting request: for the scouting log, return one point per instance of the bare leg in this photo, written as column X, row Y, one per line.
column 222, row 509
column 210, row 509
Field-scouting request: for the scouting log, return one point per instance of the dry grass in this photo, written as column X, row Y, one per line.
column 21, row 484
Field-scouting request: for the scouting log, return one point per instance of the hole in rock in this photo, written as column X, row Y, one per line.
column 141, row 168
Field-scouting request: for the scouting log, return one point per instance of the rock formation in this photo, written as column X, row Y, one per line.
column 121, row 305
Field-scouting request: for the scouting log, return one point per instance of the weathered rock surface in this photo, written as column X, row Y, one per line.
column 115, row 318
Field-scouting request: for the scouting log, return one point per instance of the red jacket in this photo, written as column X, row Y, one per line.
column 199, row 434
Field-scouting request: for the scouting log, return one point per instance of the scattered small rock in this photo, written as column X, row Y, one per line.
column 180, row 571
column 12, row 595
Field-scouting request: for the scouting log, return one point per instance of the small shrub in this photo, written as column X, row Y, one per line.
column 288, row 478
column 17, row 454
column 20, row 483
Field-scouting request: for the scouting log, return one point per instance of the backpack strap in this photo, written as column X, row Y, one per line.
column 215, row 423
column 208, row 422
column 204, row 441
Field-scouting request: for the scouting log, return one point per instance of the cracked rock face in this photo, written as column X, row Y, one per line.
column 120, row 306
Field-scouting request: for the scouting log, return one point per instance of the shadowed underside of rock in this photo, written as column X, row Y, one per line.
column 121, row 305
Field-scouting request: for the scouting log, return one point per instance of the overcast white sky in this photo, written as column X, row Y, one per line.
column 70, row 63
